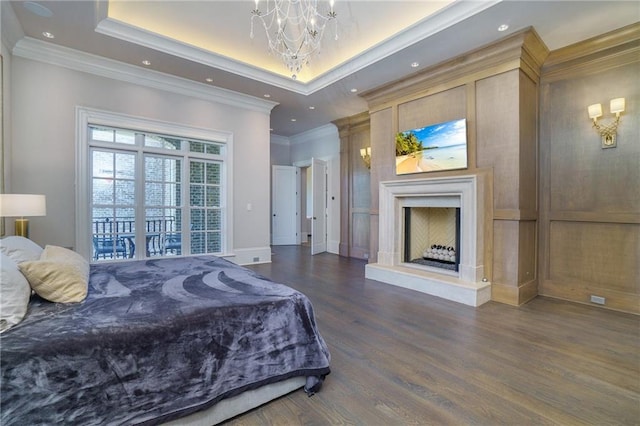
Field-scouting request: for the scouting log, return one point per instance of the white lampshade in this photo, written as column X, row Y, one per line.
column 595, row 111
column 21, row 205
column 617, row 105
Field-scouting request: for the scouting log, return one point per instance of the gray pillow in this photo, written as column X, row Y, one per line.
column 14, row 293
column 20, row 249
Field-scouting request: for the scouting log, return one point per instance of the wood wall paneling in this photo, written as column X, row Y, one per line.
column 505, row 252
column 496, row 89
column 355, row 186
column 528, row 178
column 596, row 253
column 498, row 135
column 589, row 238
column 383, row 155
column 437, row 108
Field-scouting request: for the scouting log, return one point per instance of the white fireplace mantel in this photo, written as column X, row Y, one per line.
column 465, row 286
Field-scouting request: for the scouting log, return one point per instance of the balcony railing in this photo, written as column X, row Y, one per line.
column 116, row 238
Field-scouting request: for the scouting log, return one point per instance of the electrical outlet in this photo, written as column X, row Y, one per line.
column 598, row 299
column 256, row 259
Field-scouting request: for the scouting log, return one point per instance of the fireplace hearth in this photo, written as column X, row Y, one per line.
column 415, row 219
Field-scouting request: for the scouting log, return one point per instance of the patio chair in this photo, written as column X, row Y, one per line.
column 106, row 246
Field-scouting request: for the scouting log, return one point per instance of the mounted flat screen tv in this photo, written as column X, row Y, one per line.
column 435, row 148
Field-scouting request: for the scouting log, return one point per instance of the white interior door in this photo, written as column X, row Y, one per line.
column 284, row 205
column 318, row 206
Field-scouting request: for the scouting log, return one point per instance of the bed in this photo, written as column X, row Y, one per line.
column 198, row 339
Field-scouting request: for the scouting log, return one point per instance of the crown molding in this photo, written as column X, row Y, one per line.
column 448, row 16
column 41, row 51
column 280, row 140
column 328, row 130
column 431, row 25
column 523, row 49
column 131, row 34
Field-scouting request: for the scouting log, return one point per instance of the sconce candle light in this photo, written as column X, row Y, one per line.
column 365, row 153
column 20, row 205
column 608, row 132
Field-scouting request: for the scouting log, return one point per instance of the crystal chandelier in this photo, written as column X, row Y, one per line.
column 294, row 29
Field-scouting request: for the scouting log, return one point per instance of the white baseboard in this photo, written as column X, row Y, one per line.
column 251, row 256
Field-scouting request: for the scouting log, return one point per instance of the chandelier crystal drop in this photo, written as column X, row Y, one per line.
column 294, row 29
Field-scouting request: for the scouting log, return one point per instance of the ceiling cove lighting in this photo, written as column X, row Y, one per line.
column 294, row 29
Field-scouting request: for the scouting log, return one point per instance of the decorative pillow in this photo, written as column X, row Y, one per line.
column 14, row 293
column 61, row 275
column 20, row 249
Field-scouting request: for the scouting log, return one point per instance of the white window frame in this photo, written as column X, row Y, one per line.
column 89, row 116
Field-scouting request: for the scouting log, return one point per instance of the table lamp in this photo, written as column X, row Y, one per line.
column 21, row 205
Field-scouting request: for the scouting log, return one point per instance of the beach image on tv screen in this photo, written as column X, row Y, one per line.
column 434, row 148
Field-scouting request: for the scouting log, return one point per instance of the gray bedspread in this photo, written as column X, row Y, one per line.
column 153, row 341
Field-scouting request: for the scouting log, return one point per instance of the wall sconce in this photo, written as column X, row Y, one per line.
column 20, row 205
column 365, row 153
column 608, row 132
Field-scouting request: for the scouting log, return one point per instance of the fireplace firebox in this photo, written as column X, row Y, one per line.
column 432, row 237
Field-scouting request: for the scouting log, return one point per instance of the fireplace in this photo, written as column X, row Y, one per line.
column 418, row 214
column 432, row 237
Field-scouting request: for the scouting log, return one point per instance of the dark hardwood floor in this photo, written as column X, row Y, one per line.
column 402, row 357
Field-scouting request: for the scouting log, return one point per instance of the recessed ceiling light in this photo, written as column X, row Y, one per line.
column 146, row 62
column 503, row 27
column 415, row 64
column 209, row 80
column 312, row 107
column 38, row 9
column 354, row 90
column 293, row 119
column 266, row 95
column 48, row 34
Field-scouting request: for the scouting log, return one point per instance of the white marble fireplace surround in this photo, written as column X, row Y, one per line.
column 465, row 286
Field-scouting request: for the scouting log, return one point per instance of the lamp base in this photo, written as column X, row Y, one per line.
column 22, row 228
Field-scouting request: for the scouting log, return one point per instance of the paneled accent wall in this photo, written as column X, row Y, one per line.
column 496, row 89
column 355, row 190
column 590, row 197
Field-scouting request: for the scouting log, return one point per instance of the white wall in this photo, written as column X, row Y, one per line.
column 5, row 124
column 280, row 151
column 323, row 143
column 42, row 155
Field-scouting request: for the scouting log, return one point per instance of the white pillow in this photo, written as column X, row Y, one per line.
column 61, row 275
column 20, row 249
column 14, row 293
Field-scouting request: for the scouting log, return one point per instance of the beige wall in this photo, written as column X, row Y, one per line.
column 42, row 155
column 590, row 199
